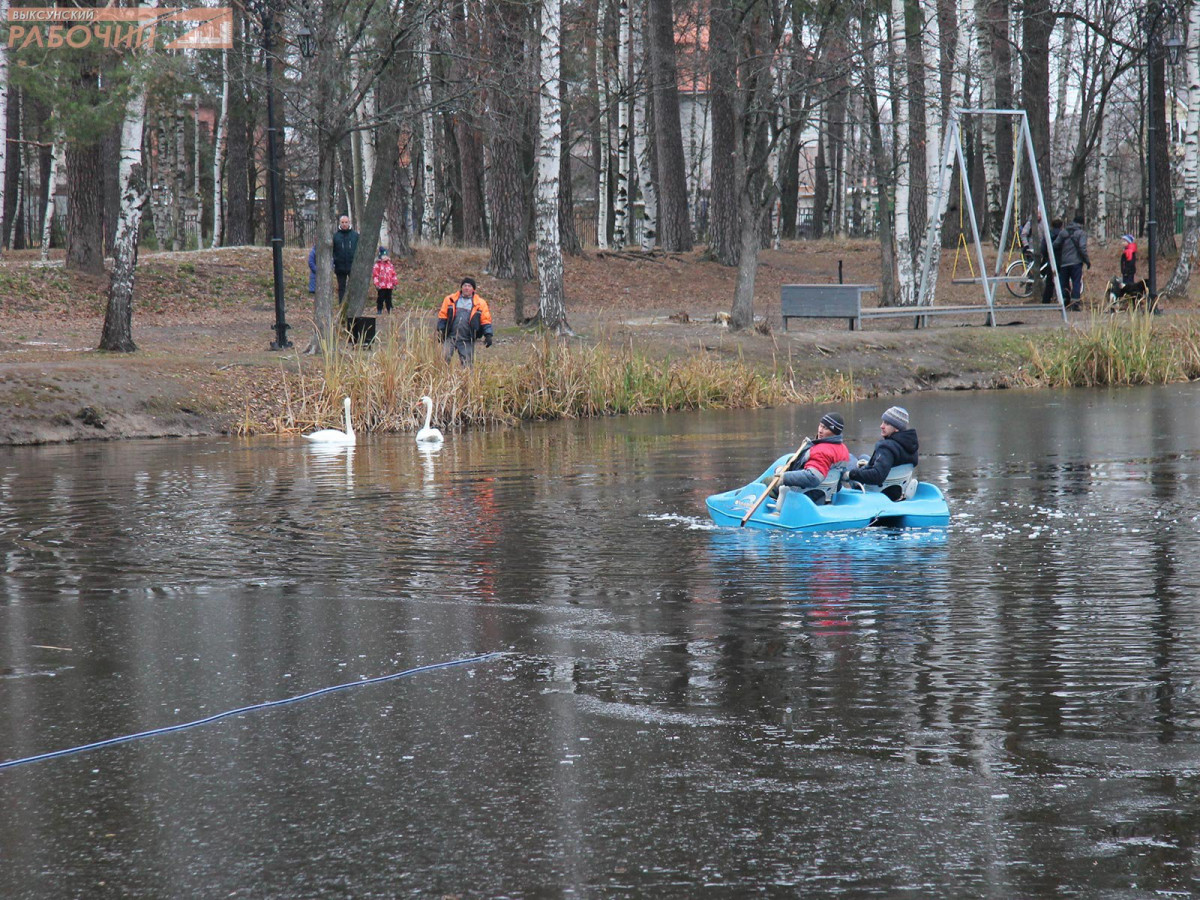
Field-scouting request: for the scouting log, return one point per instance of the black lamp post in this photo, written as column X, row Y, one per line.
column 274, row 176
column 1173, row 46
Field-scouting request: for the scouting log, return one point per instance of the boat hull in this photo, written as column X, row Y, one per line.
column 851, row 508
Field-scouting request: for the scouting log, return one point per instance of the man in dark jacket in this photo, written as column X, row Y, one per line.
column 1047, row 274
column 897, row 447
column 345, row 245
column 1070, row 248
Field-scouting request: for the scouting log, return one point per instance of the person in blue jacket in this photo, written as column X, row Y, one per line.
column 312, row 270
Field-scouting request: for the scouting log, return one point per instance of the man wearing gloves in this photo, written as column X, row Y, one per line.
column 462, row 320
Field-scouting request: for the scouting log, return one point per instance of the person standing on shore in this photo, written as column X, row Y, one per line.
column 1071, row 249
column 383, row 276
column 345, row 245
column 462, row 320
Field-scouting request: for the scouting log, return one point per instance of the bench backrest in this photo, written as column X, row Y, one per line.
column 820, row 300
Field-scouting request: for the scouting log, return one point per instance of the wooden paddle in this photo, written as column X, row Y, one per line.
column 773, row 483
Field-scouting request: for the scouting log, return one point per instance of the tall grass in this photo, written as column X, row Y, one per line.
column 552, row 380
column 1138, row 349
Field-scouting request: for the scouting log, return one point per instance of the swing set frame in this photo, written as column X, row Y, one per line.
column 953, row 150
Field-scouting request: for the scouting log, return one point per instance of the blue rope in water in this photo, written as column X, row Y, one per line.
column 169, row 729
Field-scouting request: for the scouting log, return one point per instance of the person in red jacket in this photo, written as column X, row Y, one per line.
column 383, row 276
column 462, row 320
column 827, row 451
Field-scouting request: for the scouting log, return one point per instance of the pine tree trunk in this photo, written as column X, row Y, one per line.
column 551, row 306
column 1164, row 206
column 674, row 226
column 508, row 195
column 1035, row 92
column 237, row 230
column 85, row 208
column 723, row 223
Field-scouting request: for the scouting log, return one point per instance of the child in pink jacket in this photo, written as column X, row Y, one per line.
column 383, row 276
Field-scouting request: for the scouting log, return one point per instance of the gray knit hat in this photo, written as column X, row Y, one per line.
column 834, row 422
column 896, row 416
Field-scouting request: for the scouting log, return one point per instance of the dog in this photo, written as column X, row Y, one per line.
column 1134, row 296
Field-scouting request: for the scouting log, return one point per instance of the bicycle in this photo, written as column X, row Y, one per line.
column 1019, row 275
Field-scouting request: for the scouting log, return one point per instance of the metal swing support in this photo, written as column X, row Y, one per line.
column 953, row 149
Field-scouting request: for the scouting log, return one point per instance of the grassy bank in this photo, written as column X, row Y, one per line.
column 1113, row 351
column 554, row 379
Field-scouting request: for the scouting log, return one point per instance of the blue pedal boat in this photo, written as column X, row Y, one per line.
column 901, row 502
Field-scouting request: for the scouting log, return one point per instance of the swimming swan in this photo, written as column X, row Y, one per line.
column 427, row 433
column 332, row 435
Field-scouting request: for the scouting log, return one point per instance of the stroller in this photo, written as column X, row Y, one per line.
column 1134, row 296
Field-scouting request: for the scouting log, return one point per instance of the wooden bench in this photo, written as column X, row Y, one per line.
column 823, row 301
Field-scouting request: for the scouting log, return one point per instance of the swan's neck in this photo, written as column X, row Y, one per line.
column 349, row 426
column 428, row 414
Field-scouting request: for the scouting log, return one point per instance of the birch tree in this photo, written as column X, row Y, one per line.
column 905, row 279
column 602, row 125
column 641, row 135
column 218, row 200
column 4, row 89
column 622, row 199
column 551, row 307
column 51, row 182
column 429, row 223
column 117, row 335
column 1178, row 282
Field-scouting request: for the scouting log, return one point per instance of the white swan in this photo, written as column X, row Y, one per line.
column 332, row 435
column 428, row 434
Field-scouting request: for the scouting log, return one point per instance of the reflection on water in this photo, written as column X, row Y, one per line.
column 1005, row 707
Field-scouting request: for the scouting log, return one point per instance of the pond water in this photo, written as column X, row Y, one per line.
column 1003, row 708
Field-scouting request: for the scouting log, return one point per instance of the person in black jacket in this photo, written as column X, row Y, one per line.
column 345, row 245
column 897, row 447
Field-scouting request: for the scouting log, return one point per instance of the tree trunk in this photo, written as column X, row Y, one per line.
column 881, row 159
column 723, row 224
column 1035, row 92
column 642, row 128
column 1164, row 201
column 905, row 276
column 571, row 244
column 1178, row 282
column 820, row 184
column 602, row 141
column 742, row 314
column 674, row 227
column 85, row 211
column 237, row 230
column 623, row 198
column 48, row 218
column 429, row 213
column 358, row 287
column 552, row 308
column 4, row 89
column 117, row 335
column 508, row 195
column 218, row 196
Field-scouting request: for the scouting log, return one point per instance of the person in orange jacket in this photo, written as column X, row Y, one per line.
column 463, row 319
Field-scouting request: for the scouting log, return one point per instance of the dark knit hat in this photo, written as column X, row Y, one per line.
column 468, row 280
column 834, row 422
column 896, row 416
column 382, row 252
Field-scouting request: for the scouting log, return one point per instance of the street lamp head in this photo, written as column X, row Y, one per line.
column 308, row 43
column 1174, row 47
